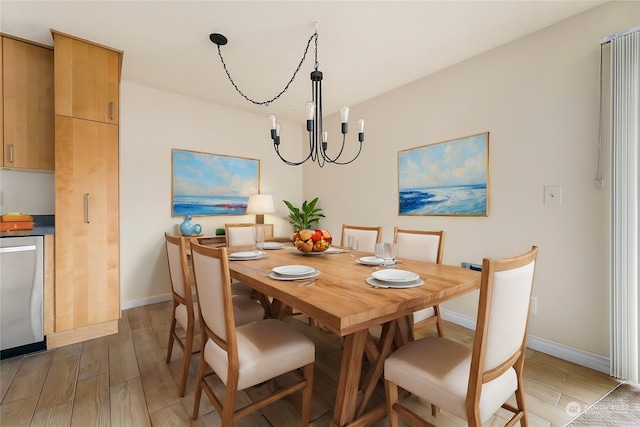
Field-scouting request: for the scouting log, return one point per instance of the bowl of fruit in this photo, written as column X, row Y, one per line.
column 312, row 240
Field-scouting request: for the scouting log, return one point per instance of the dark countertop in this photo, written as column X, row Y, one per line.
column 44, row 224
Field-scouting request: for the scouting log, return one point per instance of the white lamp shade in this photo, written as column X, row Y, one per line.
column 260, row 204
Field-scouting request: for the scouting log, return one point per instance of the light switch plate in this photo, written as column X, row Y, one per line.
column 553, row 195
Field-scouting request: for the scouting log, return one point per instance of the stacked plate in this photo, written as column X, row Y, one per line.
column 392, row 278
column 245, row 256
column 293, row 272
column 372, row 260
column 273, row 245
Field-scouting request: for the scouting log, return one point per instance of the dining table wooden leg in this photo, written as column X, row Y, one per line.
column 348, row 382
column 377, row 366
column 277, row 309
column 404, row 332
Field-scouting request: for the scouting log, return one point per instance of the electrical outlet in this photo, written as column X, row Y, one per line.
column 533, row 307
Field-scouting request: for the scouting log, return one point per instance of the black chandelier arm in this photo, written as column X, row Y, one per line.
column 295, row 73
column 276, row 147
column 335, row 159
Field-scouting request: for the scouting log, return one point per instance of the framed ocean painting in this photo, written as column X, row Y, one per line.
column 212, row 184
column 445, row 178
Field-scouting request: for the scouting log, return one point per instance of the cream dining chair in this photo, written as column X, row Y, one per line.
column 472, row 384
column 241, row 234
column 247, row 355
column 367, row 236
column 422, row 245
column 185, row 311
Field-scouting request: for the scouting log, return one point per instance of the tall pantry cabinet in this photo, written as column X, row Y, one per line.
column 87, row 272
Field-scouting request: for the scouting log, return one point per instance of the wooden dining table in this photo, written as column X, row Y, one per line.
column 342, row 302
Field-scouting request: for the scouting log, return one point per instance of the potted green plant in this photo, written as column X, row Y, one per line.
column 305, row 217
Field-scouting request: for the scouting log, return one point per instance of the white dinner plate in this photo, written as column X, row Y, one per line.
column 293, row 270
column 333, row 250
column 393, row 275
column 277, row 276
column 273, row 245
column 371, row 260
column 397, row 285
column 241, row 256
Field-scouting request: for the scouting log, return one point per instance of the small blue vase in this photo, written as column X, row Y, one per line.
column 186, row 228
column 197, row 229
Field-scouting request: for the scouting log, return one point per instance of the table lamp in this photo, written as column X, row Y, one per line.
column 260, row 204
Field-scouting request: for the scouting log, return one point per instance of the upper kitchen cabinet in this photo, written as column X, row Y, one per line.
column 87, row 78
column 27, row 105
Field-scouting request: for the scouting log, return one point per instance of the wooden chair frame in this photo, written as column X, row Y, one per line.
column 345, row 227
column 267, row 235
column 226, row 409
column 437, row 318
column 187, row 300
column 477, row 376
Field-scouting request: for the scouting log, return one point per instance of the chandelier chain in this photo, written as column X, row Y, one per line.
column 268, row 102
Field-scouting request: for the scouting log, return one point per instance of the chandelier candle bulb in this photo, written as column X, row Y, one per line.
column 361, row 130
column 344, row 113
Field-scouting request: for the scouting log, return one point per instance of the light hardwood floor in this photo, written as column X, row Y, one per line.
column 123, row 380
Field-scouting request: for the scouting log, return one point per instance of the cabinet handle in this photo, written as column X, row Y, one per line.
column 111, row 110
column 10, row 153
column 87, row 203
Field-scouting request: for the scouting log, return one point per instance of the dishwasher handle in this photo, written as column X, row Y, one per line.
column 18, row 249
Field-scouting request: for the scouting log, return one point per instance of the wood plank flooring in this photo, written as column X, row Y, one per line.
column 123, row 380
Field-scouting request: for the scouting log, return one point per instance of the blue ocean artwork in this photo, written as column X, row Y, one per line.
column 448, row 178
column 210, row 184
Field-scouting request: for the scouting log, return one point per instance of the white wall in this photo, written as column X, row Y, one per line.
column 152, row 123
column 538, row 98
column 27, row 191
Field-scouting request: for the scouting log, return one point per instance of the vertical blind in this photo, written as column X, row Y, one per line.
column 624, row 116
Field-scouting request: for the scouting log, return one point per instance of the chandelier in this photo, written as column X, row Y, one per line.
column 318, row 137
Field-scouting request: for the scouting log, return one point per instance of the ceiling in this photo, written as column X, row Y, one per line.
column 365, row 48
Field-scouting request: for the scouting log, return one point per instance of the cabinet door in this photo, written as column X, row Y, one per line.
column 86, row 245
column 87, row 79
column 27, row 82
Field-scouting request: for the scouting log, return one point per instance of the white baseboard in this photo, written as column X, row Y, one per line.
column 146, row 301
column 561, row 351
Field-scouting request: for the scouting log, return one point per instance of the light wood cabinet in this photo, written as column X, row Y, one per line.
column 87, row 271
column 28, row 107
column 89, row 87
column 87, row 251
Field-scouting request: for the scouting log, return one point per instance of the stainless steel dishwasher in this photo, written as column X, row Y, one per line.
column 21, row 295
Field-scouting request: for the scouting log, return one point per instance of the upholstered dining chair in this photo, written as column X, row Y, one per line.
column 240, row 234
column 472, row 384
column 367, row 236
column 247, row 355
column 185, row 310
column 422, row 245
